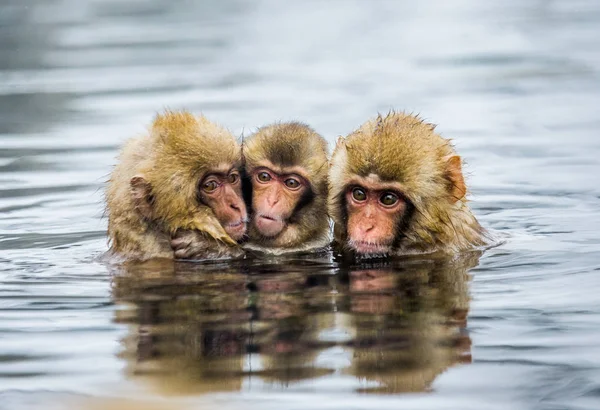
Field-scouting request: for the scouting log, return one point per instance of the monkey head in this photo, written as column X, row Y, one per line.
column 192, row 178
column 184, row 175
column 395, row 186
column 286, row 167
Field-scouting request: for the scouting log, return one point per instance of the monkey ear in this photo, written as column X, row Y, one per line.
column 455, row 175
column 141, row 193
column 340, row 144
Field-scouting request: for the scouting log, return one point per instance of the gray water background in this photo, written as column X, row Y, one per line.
column 515, row 84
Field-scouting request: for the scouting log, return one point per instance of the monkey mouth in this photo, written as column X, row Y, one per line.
column 269, row 217
column 236, row 229
column 369, row 248
column 269, row 225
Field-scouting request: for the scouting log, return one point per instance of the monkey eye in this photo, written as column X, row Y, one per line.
column 233, row 178
column 359, row 194
column 210, row 186
column 292, row 183
column 388, row 199
column 263, row 176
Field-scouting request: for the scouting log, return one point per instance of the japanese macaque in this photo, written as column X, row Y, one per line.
column 286, row 165
column 176, row 193
column 397, row 187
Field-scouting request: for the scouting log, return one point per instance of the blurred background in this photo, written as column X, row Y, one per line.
column 515, row 84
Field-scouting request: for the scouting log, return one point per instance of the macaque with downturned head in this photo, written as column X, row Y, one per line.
column 176, row 193
column 397, row 187
column 286, row 165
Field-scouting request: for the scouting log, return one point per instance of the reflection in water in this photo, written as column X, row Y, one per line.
column 410, row 322
column 215, row 327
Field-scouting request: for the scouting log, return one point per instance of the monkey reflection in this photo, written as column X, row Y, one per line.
column 184, row 334
column 214, row 327
column 410, row 323
column 197, row 328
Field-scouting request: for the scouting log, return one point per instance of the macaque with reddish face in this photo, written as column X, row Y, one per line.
column 286, row 166
column 177, row 192
column 374, row 211
column 396, row 187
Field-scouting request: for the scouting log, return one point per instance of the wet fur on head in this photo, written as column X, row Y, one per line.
column 294, row 144
column 171, row 159
column 402, row 148
column 186, row 147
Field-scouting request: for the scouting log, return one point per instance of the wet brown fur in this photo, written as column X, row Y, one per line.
column 403, row 148
column 178, row 150
column 288, row 145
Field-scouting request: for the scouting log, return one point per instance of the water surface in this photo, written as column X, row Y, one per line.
column 515, row 84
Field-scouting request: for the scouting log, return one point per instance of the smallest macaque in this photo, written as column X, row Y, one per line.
column 176, row 193
column 286, row 165
column 396, row 188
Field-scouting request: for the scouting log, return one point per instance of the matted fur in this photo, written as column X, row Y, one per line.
column 176, row 153
column 287, row 145
column 403, row 148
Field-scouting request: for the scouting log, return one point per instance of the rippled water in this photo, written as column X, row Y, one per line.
column 516, row 84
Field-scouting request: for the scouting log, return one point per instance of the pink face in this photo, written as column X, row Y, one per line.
column 223, row 193
column 274, row 198
column 374, row 212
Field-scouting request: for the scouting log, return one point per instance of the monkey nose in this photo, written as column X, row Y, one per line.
column 367, row 228
column 239, row 209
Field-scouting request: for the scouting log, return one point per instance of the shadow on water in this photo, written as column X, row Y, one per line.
column 392, row 327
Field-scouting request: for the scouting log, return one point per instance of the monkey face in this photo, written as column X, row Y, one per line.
column 410, row 191
column 275, row 196
column 222, row 192
column 373, row 291
column 374, row 213
column 372, row 280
